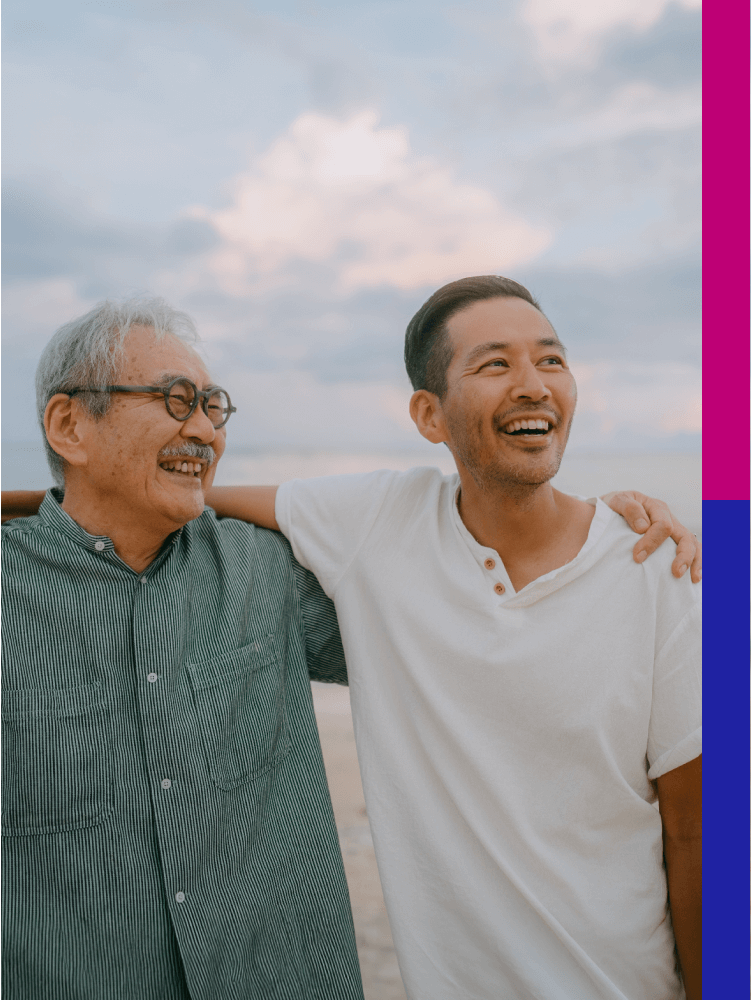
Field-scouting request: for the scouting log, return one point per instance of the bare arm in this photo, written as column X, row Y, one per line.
column 653, row 519
column 20, row 503
column 679, row 792
column 245, row 503
column 646, row 516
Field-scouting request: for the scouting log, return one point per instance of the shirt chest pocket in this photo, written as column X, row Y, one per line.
column 56, row 760
column 239, row 700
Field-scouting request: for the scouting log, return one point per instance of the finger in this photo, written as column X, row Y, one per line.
column 655, row 536
column 687, row 552
column 629, row 506
column 661, row 525
column 696, row 564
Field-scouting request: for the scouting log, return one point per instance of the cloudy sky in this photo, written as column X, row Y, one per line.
column 300, row 175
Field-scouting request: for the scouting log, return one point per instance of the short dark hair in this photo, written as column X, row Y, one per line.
column 427, row 348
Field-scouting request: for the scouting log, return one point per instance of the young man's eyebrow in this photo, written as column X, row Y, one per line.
column 551, row 342
column 497, row 345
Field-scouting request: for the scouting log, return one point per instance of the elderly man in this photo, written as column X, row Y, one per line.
column 524, row 691
column 167, row 825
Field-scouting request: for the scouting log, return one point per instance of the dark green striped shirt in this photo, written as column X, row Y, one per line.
column 167, row 825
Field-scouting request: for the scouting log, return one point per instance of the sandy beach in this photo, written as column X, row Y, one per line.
column 380, row 970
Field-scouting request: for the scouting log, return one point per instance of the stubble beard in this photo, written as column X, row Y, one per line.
column 517, row 481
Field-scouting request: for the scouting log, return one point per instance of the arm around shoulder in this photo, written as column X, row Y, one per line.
column 653, row 520
column 255, row 504
column 20, row 503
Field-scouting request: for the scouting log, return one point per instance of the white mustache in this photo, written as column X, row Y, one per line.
column 188, row 450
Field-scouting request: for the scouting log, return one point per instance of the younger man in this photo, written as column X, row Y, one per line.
column 524, row 693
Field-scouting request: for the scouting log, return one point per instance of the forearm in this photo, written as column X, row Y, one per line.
column 683, row 863
column 20, row 503
column 245, row 503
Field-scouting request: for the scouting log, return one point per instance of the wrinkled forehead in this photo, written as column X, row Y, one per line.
column 151, row 359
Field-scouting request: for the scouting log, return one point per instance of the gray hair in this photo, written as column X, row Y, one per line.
column 88, row 351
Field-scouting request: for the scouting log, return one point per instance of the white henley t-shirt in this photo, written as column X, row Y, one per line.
column 507, row 741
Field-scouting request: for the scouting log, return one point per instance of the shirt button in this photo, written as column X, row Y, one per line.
column 166, row 783
column 99, row 546
column 490, row 564
column 152, row 678
column 180, row 897
column 142, row 580
column 499, row 588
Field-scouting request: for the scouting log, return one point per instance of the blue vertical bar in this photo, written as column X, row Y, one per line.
column 726, row 779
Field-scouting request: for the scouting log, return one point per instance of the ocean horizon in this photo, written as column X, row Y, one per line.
column 674, row 477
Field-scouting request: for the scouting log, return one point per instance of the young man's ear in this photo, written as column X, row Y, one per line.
column 427, row 413
column 64, row 424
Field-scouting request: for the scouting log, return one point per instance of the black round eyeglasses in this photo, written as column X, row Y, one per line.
column 181, row 397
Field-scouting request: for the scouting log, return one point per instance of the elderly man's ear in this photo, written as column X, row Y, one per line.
column 65, row 425
column 425, row 410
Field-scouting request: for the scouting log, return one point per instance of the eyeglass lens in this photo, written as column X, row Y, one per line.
column 181, row 403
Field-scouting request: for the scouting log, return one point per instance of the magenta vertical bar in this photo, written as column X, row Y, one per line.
column 726, row 250
column 726, row 925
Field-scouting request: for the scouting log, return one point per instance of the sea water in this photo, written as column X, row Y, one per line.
column 674, row 478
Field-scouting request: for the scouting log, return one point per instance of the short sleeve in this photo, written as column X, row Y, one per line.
column 327, row 519
column 323, row 644
column 675, row 723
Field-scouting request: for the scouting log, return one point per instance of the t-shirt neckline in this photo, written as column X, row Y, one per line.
column 548, row 582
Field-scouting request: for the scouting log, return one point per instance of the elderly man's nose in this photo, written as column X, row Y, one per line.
column 199, row 427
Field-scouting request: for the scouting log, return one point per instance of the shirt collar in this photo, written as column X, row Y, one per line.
column 52, row 514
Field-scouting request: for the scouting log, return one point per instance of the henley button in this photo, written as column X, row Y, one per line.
column 151, row 678
column 490, row 564
column 180, row 897
column 499, row 588
column 99, row 546
column 166, row 783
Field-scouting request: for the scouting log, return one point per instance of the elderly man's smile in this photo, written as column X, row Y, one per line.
column 184, row 468
column 188, row 461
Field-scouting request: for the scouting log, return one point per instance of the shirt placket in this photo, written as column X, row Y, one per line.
column 161, row 696
column 496, row 580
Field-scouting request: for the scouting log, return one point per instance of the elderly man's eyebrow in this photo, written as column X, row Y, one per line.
column 166, row 377
column 497, row 345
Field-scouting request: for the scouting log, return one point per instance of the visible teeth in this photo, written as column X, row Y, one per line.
column 527, row 425
column 175, row 465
